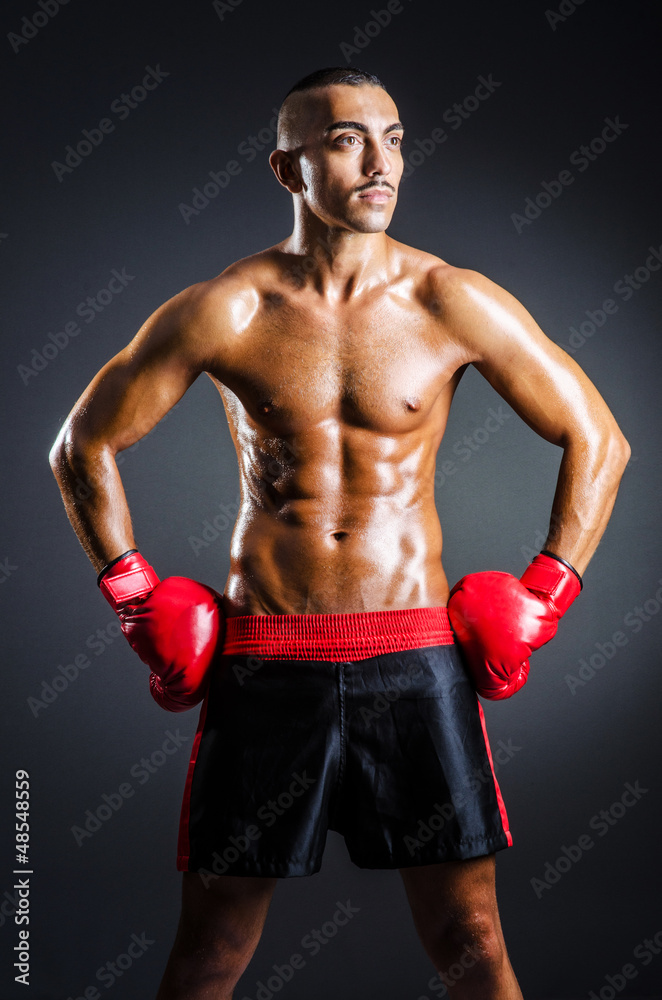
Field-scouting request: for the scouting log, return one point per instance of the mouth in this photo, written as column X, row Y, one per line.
column 377, row 196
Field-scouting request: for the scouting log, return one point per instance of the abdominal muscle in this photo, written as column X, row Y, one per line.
column 381, row 564
column 350, row 548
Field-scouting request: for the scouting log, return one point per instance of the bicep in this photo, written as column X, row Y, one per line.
column 543, row 384
column 138, row 386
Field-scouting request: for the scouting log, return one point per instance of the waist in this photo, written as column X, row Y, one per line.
column 352, row 636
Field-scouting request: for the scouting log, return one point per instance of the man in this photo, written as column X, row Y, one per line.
column 334, row 695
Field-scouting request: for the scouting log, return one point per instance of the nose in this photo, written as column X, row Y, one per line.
column 376, row 161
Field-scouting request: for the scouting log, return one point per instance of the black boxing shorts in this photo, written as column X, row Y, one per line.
column 366, row 724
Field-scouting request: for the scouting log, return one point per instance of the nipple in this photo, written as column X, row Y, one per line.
column 266, row 407
column 413, row 404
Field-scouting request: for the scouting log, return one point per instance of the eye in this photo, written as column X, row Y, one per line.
column 395, row 140
column 350, row 140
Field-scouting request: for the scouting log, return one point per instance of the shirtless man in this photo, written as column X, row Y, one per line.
column 337, row 353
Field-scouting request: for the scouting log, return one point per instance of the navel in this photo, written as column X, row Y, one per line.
column 339, row 535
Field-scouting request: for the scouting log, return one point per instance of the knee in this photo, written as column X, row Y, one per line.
column 195, row 975
column 212, row 963
column 471, row 943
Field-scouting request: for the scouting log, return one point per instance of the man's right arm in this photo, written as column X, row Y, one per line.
column 175, row 625
column 122, row 403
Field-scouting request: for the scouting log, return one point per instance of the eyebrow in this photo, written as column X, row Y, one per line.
column 358, row 127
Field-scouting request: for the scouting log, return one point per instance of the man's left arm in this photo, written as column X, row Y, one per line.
column 551, row 393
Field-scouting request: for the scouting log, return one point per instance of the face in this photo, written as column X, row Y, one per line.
column 347, row 155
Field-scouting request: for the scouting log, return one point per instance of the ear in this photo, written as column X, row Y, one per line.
column 286, row 170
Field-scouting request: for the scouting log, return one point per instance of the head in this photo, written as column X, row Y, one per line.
column 339, row 153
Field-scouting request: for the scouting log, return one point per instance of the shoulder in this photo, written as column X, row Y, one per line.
column 227, row 295
column 204, row 312
column 481, row 315
column 452, row 290
column 441, row 287
column 462, row 301
column 485, row 321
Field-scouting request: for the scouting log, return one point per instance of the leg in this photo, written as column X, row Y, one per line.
column 455, row 913
column 219, row 929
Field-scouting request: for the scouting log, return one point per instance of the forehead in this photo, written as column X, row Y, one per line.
column 371, row 106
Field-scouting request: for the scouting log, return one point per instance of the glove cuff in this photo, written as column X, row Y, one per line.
column 553, row 580
column 112, row 562
column 552, row 555
column 127, row 580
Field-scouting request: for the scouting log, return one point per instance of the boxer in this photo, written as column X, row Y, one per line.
column 338, row 680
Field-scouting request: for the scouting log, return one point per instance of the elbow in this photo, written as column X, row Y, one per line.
column 623, row 451
column 605, row 452
column 70, row 454
column 57, row 456
column 617, row 453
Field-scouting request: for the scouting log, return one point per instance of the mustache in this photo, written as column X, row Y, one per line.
column 376, row 184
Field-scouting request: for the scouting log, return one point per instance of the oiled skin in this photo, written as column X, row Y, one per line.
column 337, row 353
column 337, row 431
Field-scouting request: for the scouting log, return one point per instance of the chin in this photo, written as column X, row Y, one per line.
column 374, row 228
column 375, row 222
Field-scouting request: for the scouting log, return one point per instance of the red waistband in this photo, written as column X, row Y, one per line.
column 336, row 637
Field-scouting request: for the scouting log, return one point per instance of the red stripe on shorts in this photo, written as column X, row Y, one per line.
column 336, row 637
column 500, row 802
column 183, row 846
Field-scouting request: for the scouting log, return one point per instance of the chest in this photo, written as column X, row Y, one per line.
column 382, row 369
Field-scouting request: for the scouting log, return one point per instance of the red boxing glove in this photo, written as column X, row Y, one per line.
column 174, row 625
column 499, row 620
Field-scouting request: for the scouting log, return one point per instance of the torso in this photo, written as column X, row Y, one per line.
column 337, row 415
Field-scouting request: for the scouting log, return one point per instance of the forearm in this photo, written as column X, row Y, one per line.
column 179, row 657
column 587, row 485
column 94, row 500
column 499, row 620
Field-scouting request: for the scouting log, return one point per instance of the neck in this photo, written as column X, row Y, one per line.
column 337, row 263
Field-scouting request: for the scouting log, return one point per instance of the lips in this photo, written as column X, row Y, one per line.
column 377, row 196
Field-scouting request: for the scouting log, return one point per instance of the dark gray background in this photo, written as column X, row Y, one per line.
column 119, row 209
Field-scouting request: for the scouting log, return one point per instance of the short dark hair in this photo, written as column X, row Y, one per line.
column 324, row 78
column 336, row 74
